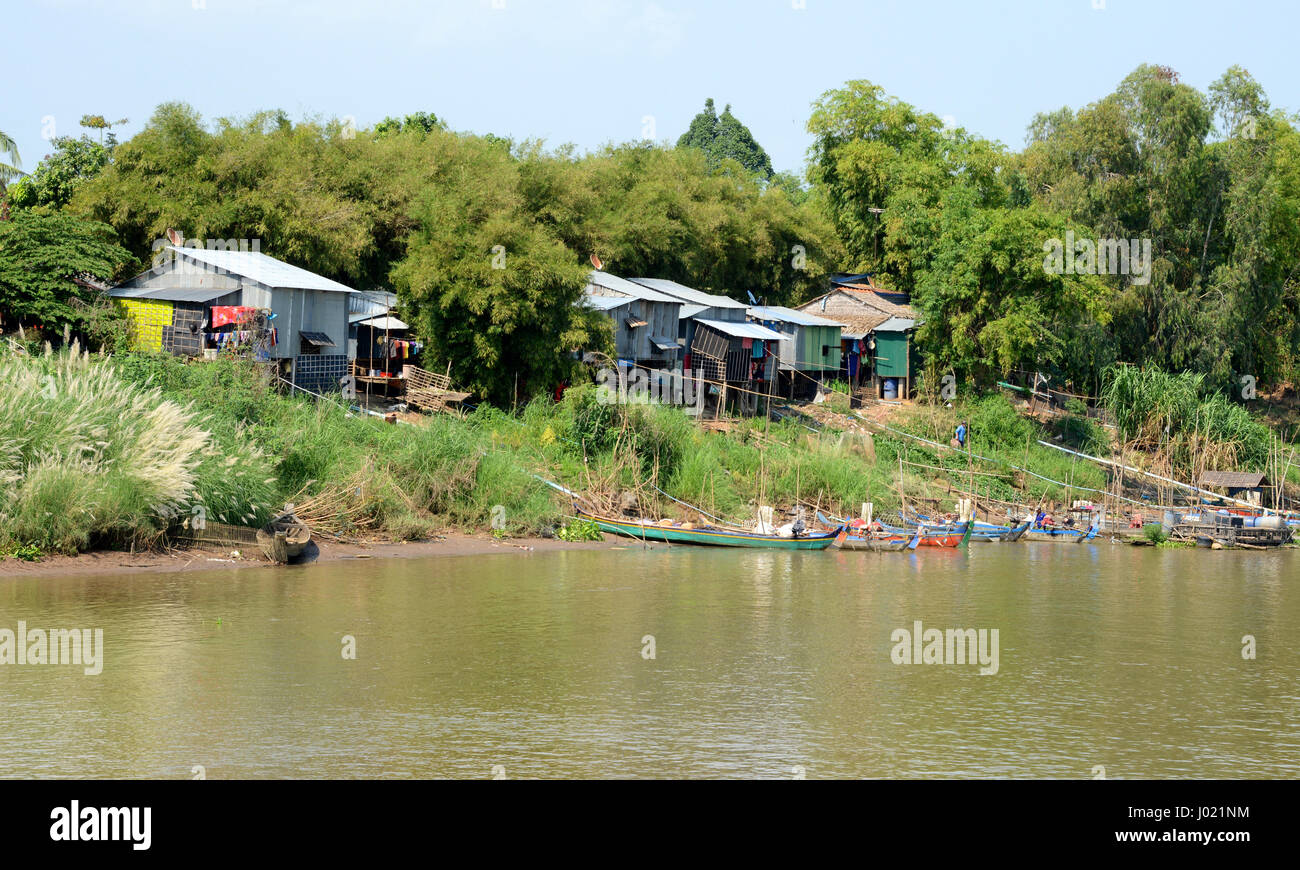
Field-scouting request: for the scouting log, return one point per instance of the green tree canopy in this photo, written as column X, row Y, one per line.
column 42, row 256
column 916, row 203
column 57, row 177
column 723, row 137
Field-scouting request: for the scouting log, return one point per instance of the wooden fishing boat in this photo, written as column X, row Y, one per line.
column 1062, row 536
column 709, row 535
column 949, row 536
column 880, row 543
column 983, row 532
column 283, row 538
column 1016, row 533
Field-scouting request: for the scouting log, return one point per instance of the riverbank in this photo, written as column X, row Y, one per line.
column 219, row 442
column 100, row 562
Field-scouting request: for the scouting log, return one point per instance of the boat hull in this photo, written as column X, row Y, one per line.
column 889, row 544
column 284, row 538
column 1060, row 536
column 711, row 537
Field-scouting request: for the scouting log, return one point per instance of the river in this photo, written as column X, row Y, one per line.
column 1112, row 660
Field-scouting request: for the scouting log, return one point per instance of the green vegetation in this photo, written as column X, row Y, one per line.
column 8, row 151
column 57, row 177
column 26, row 553
column 1212, row 180
column 45, row 259
column 1155, row 533
column 111, row 451
column 579, row 530
column 88, row 459
column 1174, row 416
column 724, row 138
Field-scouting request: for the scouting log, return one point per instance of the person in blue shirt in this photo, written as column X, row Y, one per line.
column 961, row 434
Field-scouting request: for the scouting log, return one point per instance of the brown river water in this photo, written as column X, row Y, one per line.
column 670, row 662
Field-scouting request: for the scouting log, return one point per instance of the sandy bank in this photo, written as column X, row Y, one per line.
column 199, row 559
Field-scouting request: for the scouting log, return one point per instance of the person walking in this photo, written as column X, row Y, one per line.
column 961, row 435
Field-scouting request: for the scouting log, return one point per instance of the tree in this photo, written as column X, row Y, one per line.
column 57, row 177
column 662, row 212
column 100, row 123
column 493, row 291
column 724, row 138
column 417, row 122
column 8, row 151
column 45, row 259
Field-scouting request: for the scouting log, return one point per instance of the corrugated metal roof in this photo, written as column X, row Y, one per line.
column 319, row 339
column 743, row 330
column 628, row 288
column 263, row 269
column 371, row 302
column 605, row 303
column 689, row 311
column 172, row 294
column 686, row 294
column 664, row 342
column 896, row 324
column 789, row 315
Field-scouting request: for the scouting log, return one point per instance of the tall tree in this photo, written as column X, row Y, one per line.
column 8, row 152
column 44, row 261
column 57, row 177
column 723, row 137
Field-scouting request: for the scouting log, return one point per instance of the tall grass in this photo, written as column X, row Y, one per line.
column 1176, row 416
column 88, row 458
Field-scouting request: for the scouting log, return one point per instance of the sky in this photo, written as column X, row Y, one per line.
column 591, row 72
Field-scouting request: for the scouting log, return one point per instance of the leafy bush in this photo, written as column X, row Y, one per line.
column 580, row 530
column 1155, row 533
column 26, row 552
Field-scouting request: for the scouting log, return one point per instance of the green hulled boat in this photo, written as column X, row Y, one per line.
column 714, row 536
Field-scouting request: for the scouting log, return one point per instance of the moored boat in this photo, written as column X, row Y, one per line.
column 984, row 532
column 1061, row 536
column 880, row 543
column 283, row 538
column 947, row 535
column 709, row 535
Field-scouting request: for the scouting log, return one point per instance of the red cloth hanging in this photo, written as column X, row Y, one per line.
column 224, row 315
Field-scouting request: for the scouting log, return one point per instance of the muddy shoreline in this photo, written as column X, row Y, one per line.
column 212, row 557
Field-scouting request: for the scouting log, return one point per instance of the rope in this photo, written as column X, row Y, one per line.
column 996, row 462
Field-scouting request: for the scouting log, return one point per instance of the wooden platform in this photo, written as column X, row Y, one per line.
column 428, row 391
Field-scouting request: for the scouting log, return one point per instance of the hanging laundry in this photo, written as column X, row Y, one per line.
column 746, row 343
column 758, row 348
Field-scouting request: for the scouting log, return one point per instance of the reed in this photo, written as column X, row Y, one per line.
column 87, row 458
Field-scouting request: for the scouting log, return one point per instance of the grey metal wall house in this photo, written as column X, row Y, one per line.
column 696, row 305
column 734, row 351
column 645, row 320
column 311, row 311
column 811, row 353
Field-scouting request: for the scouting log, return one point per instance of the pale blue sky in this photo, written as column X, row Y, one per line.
column 595, row 71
